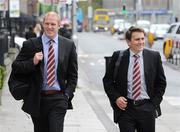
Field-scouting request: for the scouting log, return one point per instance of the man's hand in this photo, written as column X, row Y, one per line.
column 121, row 102
column 37, row 58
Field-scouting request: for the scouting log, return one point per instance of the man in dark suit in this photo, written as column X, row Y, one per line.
column 136, row 92
column 49, row 63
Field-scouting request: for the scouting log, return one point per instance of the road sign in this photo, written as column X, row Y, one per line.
column 14, row 8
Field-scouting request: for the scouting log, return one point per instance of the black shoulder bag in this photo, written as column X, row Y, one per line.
column 117, row 64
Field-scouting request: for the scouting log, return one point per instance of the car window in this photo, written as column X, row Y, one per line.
column 178, row 31
column 172, row 29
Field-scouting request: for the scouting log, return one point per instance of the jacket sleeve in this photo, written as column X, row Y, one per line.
column 160, row 82
column 72, row 72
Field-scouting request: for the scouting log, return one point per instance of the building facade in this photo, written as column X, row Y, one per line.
column 156, row 11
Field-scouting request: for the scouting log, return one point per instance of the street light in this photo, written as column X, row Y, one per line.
column 124, row 9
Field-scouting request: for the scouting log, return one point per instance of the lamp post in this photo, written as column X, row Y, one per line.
column 74, row 16
column 52, row 5
column 138, row 9
column 90, row 13
column 8, row 18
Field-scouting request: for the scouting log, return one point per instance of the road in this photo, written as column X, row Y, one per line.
column 92, row 47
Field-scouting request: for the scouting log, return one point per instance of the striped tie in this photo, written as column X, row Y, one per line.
column 136, row 84
column 51, row 65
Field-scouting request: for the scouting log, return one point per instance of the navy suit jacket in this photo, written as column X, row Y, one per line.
column 154, row 78
column 66, row 71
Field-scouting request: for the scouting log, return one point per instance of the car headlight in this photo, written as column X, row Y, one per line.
column 96, row 28
column 116, row 26
column 106, row 28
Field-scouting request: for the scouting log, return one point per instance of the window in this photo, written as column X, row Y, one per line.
column 172, row 29
column 178, row 31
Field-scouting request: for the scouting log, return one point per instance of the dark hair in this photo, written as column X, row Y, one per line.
column 132, row 29
column 30, row 28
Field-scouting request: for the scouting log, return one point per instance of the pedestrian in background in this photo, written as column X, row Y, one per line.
column 30, row 33
column 137, row 91
column 49, row 63
column 66, row 31
column 38, row 29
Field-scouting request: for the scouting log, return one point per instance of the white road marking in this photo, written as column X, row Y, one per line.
column 101, row 61
column 92, row 64
column 82, row 61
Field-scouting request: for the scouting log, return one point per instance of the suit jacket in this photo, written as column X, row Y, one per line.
column 154, row 78
column 66, row 71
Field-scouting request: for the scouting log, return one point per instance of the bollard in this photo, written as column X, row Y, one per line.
column 12, row 43
column 168, row 49
column 5, row 42
column 1, row 50
column 150, row 39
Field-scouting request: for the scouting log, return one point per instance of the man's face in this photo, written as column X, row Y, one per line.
column 137, row 42
column 51, row 25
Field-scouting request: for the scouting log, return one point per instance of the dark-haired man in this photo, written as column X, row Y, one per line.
column 137, row 91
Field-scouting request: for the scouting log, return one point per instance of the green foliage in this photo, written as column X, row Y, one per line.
column 44, row 8
column 2, row 72
column 84, row 6
column 95, row 4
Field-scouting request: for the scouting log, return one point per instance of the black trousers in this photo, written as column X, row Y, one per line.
column 52, row 112
column 139, row 118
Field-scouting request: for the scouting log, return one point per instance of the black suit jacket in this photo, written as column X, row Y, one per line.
column 154, row 78
column 66, row 71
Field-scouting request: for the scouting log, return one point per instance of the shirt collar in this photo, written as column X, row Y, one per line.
column 132, row 53
column 46, row 39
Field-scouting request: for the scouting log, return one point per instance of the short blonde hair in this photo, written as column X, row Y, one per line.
column 52, row 13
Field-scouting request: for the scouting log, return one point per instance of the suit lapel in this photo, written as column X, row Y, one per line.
column 61, row 52
column 146, row 63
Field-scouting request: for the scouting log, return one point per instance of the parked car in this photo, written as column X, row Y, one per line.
column 171, row 41
column 116, row 25
column 159, row 30
column 124, row 27
column 145, row 24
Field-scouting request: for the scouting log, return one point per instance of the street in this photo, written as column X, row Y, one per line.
column 92, row 111
column 92, row 48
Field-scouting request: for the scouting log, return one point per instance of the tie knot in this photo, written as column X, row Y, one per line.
column 136, row 56
column 51, row 41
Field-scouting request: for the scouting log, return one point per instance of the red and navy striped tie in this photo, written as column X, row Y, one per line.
column 136, row 84
column 51, row 65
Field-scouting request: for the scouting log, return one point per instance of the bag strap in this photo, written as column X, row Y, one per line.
column 117, row 64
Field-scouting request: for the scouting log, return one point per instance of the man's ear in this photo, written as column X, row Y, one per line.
column 128, row 42
column 59, row 24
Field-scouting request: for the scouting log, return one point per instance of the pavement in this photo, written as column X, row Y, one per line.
column 81, row 119
column 87, row 116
